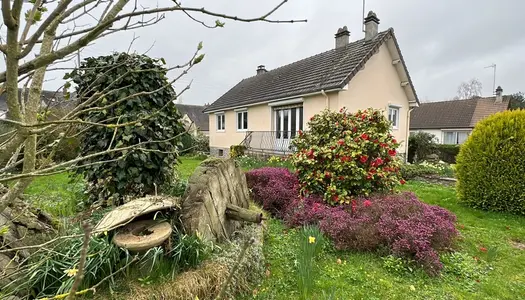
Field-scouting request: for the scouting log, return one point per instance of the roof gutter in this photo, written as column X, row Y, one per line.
column 327, row 103
column 321, row 92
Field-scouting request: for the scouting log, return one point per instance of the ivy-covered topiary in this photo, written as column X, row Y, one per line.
column 152, row 118
column 490, row 164
column 344, row 155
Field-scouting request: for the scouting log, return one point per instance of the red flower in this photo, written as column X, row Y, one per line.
column 310, row 153
column 482, row 249
column 342, row 109
column 364, row 136
column 363, row 158
column 354, row 129
column 376, row 141
column 346, row 158
column 335, row 197
column 368, row 177
column 354, row 205
column 332, row 147
column 372, row 171
column 341, row 142
column 367, row 203
column 377, row 162
column 392, row 152
column 341, row 178
column 402, row 181
column 394, row 141
column 327, row 175
column 383, row 145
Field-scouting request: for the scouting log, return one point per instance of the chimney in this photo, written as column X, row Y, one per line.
column 261, row 69
column 499, row 94
column 342, row 37
column 371, row 26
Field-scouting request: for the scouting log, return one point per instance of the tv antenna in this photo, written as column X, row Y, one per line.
column 494, row 78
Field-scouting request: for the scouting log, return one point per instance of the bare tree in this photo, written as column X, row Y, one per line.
column 52, row 25
column 469, row 89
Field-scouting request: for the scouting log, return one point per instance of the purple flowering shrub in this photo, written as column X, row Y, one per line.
column 401, row 223
column 273, row 188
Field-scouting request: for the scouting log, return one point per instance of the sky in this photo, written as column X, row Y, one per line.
column 443, row 42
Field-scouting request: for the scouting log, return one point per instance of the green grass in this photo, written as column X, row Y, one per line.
column 55, row 194
column 500, row 270
column 187, row 166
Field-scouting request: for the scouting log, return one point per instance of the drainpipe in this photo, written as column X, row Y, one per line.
column 327, row 105
column 408, row 133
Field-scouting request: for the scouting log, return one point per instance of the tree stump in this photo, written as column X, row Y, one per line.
column 216, row 199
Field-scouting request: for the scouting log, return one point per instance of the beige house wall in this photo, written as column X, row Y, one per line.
column 259, row 119
column 377, row 85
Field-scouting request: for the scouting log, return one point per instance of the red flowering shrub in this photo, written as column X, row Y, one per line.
column 273, row 188
column 345, row 155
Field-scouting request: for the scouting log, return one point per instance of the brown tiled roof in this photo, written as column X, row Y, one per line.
column 328, row 70
column 196, row 114
column 455, row 113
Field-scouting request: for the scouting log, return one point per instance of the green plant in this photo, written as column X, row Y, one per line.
column 448, row 153
column 153, row 120
column 189, row 250
column 464, row 267
column 345, row 155
column 420, row 145
column 237, row 150
column 490, row 164
column 310, row 245
column 411, row 171
column 397, row 265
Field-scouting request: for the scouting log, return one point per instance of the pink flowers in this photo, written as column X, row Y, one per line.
column 341, row 142
column 364, row 136
column 367, row 203
column 363, row 159
column 377, row 162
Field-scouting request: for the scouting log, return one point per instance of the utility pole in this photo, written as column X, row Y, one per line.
column 493, row 78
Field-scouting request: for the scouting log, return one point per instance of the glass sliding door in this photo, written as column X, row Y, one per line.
column 288, row 121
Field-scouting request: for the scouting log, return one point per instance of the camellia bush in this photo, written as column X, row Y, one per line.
column 344, row 155
column 490, row 164
column 142, row 98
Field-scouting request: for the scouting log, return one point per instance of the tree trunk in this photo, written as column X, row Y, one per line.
column 237, row 213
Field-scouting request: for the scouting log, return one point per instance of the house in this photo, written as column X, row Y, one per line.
column 452, row 121
column 50, row 100
column 265, row 111
column 194, row 117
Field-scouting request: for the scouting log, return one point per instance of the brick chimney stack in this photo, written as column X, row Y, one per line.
column 499, row 94
column 342, row 37
column 371, row 26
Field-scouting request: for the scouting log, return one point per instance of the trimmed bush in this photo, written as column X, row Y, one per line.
column 273, row 188
column 490, row 165
column 448, row 153
column 344, row 155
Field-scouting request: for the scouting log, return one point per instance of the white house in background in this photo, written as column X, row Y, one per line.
column 452, row 121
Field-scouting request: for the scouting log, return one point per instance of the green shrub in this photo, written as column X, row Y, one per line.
column 345, row 155
column 411, row 171
column 490, row 165
column 194, row 143
column 420, row 145
column 153, row 120
column 448, row 153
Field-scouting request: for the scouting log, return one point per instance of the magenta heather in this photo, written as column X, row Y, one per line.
column 400, row 222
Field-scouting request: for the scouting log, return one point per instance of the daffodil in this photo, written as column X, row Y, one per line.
column 311, row 239
column 71, row 272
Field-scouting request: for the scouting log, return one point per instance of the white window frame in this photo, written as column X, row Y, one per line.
column 244, row 114
column 220, row 119
column 396, row 108
column 456, row 136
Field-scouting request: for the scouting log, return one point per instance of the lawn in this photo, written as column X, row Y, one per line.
column 476, row 273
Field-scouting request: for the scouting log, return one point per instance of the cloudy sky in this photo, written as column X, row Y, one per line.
column 444, row 42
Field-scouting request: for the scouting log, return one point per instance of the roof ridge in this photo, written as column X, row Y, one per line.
column 311, row 56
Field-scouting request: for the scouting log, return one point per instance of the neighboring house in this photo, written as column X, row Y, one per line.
column 50, row 100
column 452, row 121
column 194, row 117
column 265, row 111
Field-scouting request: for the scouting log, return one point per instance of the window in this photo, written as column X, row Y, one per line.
column 242, row 120
column 288, row 121
column 220, row 122
column 393, row 116
column 455, row 137
column 221, row 152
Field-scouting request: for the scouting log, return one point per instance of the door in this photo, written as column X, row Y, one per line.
column 288, row 121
